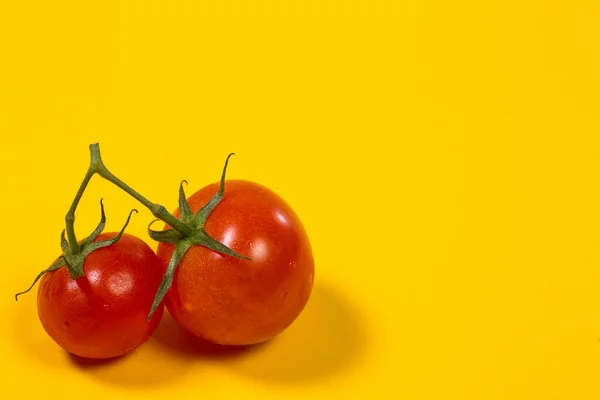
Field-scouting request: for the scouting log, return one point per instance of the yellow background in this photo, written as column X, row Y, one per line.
column 443, row 156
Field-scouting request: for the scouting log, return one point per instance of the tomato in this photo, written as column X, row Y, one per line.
column 233, row 301
column 103, row 314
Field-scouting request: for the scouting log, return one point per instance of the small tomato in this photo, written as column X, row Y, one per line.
column 103, row 314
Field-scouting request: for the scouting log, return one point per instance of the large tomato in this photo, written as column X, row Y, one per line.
column 103, row 314
column 232, row 301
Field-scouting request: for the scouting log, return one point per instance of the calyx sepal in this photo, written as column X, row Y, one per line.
column 198, row 237
column 74, row 261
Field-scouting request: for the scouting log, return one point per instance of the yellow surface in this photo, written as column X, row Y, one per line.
column 443, row 156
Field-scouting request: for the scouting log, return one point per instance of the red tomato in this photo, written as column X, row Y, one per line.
column 232, row 301
column 104, row 314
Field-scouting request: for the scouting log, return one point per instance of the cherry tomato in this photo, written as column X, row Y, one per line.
column 232, row 301
column 104, row 314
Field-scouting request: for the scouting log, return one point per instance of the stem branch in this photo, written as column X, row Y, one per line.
column 70, row 217
column 157, row 210
column 97, row 166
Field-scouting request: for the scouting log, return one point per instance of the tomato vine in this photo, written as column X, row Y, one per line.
column 185, row 232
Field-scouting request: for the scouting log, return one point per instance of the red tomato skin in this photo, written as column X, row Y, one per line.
column 104, row 314
column 231, row 301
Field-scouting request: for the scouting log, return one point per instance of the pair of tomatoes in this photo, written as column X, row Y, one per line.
column 217, row 297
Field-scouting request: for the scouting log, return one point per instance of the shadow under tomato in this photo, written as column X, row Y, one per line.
column 327, row 338
column 146, row 366
column 175, row 338
column 90, row 363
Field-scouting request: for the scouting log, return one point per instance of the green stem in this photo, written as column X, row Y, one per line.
column 157, row 210
column 70, row 217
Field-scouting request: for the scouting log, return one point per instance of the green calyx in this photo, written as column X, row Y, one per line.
column 196, row 237
column 74, row 260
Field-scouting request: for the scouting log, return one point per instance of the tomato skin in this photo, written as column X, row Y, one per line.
column 231, row 301
column 104, row 314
